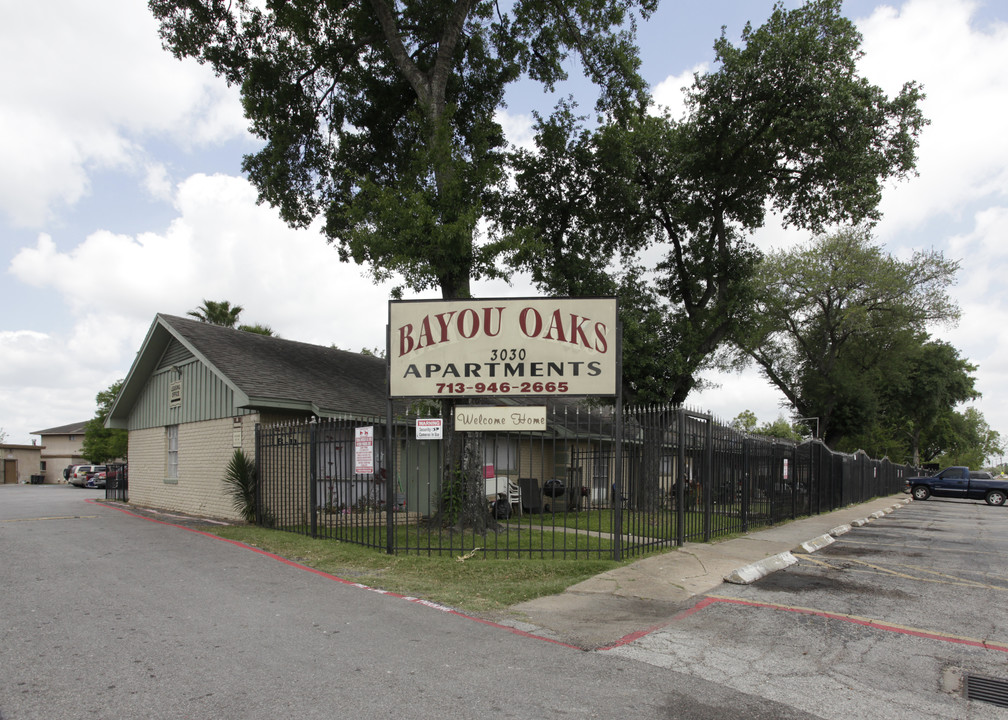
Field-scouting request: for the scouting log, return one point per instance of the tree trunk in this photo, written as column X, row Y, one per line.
column 463, row 503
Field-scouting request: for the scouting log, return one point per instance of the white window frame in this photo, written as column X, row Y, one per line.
column 172, row 447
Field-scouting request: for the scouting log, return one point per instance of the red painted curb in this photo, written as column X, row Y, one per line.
column 343, row 581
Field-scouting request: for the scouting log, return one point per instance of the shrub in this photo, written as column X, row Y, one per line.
column 240, row 480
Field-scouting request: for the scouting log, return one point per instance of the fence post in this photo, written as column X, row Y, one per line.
column 681, row 477
column 820, row 479
column 794, row 481
column 746, row 482
column 617, row 525
column 312, row 479
column 258, row 474
column 390, row 486
column 708, row 479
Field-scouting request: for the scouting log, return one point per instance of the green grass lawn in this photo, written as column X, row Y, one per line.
column 585, row 532
column 530, row 556
column 539, row 538
column 659, row 525
column 476, row 584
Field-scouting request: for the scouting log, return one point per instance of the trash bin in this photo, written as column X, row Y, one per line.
column 37, row 479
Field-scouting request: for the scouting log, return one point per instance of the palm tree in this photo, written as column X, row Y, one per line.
column 217, row 313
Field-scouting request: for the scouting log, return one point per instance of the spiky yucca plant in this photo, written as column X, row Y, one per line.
column 240, row 480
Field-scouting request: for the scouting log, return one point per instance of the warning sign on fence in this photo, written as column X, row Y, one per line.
column 428, row 429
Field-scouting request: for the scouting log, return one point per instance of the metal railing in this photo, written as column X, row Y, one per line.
column 575, row 490
column 117, row 482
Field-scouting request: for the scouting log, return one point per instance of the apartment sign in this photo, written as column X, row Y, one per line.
column 503, row 347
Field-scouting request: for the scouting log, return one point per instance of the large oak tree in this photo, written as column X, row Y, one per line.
column 381, row 116
column 835, row 314
column 784, row 123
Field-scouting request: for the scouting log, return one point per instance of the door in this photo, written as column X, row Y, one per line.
column 952, row 482
column 420, row 476
column 10, row 475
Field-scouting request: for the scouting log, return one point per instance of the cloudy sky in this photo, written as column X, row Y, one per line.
column 121, row 195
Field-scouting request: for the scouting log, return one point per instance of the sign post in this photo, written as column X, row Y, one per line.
column 500, row 348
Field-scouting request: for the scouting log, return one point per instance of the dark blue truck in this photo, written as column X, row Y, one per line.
column 960, row 482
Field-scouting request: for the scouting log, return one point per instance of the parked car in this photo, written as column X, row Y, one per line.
column 960, row 482
column 81, row 473
column 97, row 480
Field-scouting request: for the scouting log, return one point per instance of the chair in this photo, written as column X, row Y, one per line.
column 515, row 497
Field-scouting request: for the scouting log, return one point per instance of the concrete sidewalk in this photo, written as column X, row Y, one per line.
column 598, row 612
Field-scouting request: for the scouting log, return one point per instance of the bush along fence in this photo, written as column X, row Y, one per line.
column 596, row 483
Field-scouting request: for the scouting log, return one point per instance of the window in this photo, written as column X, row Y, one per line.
column 502, row 453
column 171, row 466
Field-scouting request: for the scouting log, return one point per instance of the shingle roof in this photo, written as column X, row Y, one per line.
column 76, row 428
column 270, row 372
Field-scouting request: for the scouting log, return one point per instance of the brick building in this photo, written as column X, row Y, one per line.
column 196, row 391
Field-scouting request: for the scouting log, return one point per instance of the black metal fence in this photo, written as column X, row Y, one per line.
column 117, row 482
column 592, row 485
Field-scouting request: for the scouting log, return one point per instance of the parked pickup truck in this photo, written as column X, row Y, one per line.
column 960, row 482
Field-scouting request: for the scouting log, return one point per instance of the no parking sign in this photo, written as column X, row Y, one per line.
column 364, row 451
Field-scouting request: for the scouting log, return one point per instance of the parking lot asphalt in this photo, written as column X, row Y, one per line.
column 619, row 605
column 104, row 615
column 614, row 607
column 887, row 608
column 901, row 617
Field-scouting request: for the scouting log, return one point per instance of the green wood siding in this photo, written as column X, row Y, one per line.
column 204, row 395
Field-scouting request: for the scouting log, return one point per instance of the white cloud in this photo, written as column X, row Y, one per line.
column 46, row 381
column 733, row 392
column 518, row 128
column 963, row 157
column 669, row 93
column 89, row 95
column 87, row 87
column 157, row 181
column 221, row 246
column 982, row 293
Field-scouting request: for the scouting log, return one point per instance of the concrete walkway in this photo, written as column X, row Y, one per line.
column 646, row 594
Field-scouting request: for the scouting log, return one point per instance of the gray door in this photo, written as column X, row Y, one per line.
column 420, row 475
